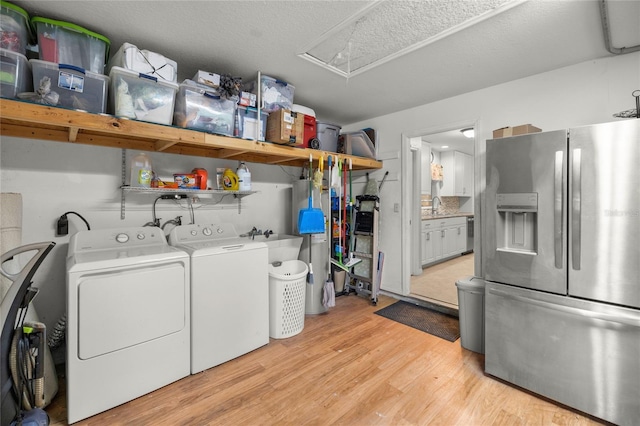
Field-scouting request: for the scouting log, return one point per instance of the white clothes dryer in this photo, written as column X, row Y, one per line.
column 127, row 317
column 229, row 292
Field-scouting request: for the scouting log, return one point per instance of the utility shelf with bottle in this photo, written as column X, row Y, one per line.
column 140, row 182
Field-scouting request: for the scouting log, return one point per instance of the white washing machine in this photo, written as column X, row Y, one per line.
column 229, row 292
column 127, row 317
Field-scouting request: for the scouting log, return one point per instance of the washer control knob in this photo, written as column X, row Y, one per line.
column 122, row 238
column 140, row 236
column 207, row 232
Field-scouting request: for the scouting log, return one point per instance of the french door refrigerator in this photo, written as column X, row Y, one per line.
column 561, row 257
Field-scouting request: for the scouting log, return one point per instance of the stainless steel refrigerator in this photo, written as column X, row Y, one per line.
column 561, row 257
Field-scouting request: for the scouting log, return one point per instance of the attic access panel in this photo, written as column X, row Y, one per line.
column 387, row 29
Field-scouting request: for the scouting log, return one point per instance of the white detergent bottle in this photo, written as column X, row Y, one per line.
column 244, row 177
column 141, row 171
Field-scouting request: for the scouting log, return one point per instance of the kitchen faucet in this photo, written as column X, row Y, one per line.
column 433, row 204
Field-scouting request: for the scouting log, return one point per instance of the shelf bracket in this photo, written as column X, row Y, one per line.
column 161, row 145
column 73, row 133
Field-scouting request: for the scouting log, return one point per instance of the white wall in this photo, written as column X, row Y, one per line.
column 583, row 94
column 55, row 178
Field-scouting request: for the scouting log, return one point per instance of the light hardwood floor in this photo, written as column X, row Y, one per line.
column 437, row 284
column 347, row 367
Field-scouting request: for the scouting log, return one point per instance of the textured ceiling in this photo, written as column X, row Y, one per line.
column 388, row 28
column 242, row 37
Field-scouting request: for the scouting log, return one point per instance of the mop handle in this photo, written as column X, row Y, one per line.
column 310, row 182
column 350, row 184
column 344, row 197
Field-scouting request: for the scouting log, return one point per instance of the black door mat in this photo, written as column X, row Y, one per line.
column 423, row 319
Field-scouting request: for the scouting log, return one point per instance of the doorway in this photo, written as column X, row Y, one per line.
column 435, row 282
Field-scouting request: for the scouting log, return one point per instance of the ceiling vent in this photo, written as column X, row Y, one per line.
column 388, row 29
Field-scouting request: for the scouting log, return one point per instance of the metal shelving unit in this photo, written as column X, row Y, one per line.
column 363, row 277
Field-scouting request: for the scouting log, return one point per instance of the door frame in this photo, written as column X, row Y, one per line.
column 410, row 160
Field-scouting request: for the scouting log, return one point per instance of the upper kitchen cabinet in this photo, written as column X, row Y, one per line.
column 458, row 174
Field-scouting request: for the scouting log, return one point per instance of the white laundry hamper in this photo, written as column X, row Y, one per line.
column 287, row 286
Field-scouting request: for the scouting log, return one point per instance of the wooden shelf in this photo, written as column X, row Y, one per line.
column 33, row 121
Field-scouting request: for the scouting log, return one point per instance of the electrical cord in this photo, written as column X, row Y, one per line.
column 62, row 226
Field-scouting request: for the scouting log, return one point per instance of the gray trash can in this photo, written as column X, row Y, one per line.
column 471, row 313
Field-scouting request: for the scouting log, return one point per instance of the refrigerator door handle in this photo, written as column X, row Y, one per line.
column 576, row 209
column 584, row 313
column 557, row 209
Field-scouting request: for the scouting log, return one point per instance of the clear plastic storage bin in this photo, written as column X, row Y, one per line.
column 201, row 107
column 14, row 28
column 276, row 94
column 75, row 87
column 247, row 119
column 287, row 286
column 358, row 144
column 15, row 74
column 66, row 43
column 145, row 62
column 141, row 97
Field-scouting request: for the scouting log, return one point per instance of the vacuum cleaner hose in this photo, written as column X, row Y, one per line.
column 57, row 335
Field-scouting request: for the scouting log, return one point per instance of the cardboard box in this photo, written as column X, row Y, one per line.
column 298, row 128
column 515, row 131
column 247, row 99
column 207, row 78
column 285, row 127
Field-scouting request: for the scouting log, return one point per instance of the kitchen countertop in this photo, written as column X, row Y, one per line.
column 429, row 216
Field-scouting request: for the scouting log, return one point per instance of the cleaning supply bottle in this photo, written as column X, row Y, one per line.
column 141, row 171
column 201, row 177
column 244, row 177
column 230, row 180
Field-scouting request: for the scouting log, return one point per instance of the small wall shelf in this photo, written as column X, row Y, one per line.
column 218, row 194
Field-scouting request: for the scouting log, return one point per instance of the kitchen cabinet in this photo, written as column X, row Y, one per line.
column 442, row 239
column 430, row 242
column 34, row 121
column 458, row 174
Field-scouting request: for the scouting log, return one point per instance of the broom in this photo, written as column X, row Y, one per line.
column 310, row 220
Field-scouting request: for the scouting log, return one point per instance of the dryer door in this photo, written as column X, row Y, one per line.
column 128, row 306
